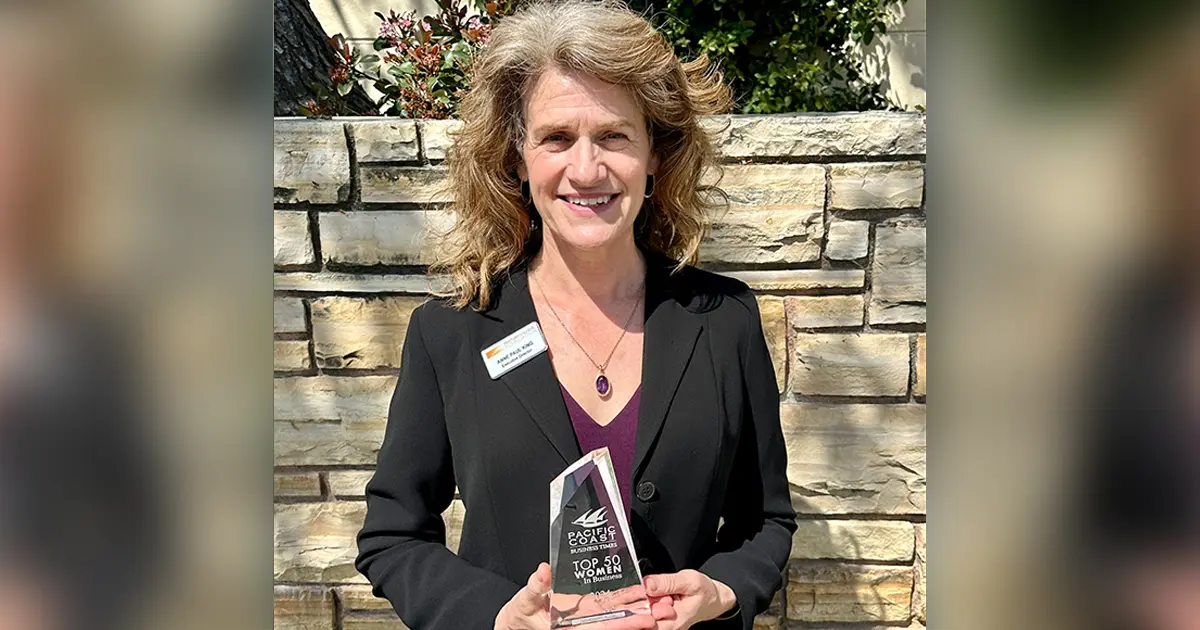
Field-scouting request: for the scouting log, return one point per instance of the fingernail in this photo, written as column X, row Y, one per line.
column 651, row 584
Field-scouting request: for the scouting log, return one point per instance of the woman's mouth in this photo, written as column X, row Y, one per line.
column 590, row 204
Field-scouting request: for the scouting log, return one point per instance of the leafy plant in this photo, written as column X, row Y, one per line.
column 420, row 65
column 780, row 56
column 326, row 102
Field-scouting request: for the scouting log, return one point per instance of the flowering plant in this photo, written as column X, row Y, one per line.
column 420, row 65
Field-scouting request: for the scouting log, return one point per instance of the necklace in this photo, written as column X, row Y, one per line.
column 603, row 385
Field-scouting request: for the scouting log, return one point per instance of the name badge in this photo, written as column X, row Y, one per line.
column 514, row 350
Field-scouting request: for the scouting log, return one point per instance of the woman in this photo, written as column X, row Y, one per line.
column 576, row 182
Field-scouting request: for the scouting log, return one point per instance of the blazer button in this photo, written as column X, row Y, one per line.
column 645, row 565
column 646, row 491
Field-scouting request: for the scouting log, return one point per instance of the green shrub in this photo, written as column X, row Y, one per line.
column 779, row 55
column 420, row 64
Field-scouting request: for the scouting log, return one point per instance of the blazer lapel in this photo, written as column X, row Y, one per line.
column 534, row 384
column 670, row 336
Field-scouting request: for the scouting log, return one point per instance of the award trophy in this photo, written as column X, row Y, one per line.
column 594, row 574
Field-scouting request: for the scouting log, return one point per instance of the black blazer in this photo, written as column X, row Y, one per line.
column 708, row 447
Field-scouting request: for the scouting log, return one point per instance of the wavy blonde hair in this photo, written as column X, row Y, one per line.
column 608, row 41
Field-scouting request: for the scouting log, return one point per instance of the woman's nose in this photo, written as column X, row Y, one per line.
column 587, row 166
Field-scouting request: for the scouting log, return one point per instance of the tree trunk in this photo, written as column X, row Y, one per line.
column 303, row 56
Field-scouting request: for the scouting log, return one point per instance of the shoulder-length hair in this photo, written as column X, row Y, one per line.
column 494, row 232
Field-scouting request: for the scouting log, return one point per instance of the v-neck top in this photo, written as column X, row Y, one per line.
column 619, row 436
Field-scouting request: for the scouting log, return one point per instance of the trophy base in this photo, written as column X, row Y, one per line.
column 580, row 621
column 570, row 610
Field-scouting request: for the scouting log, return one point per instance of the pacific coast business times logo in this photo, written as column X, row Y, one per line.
column 594, row 529
column 592, row 518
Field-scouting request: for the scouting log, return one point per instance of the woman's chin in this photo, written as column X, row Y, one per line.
column 592, row 240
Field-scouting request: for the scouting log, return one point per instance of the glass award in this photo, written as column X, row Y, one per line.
column 594, row 573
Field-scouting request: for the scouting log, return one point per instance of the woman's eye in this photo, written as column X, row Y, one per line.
column 615, row 135
column 556, row 137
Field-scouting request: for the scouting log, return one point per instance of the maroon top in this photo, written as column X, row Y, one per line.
column 618, row 435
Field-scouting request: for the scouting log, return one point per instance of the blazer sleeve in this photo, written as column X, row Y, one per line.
column 401, row 548
column 756, row 537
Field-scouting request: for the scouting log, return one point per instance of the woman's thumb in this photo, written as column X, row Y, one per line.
column 661, row 585
column 530, row 599
column 540, row 579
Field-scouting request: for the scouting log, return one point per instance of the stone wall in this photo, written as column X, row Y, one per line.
column 826, row 223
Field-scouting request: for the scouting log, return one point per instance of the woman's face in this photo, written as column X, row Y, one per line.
column 586, row 157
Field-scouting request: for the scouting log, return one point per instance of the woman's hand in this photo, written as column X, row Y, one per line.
column 529, row 609
column 695, row 597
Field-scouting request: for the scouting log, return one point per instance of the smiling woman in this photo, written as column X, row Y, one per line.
column 579, row 208
column 558, row 74
column 586, row 160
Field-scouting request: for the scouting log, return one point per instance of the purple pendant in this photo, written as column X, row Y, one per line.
column 602, row 385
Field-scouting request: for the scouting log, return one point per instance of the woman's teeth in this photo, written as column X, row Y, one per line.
column 590, row 201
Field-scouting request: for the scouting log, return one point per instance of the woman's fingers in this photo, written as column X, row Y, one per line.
column 662, row 608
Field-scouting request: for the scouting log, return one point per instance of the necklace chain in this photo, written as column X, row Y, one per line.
column 624, row 329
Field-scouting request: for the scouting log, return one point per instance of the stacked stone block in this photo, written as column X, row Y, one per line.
column 825, row 222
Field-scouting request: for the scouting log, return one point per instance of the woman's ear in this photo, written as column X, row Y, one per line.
column 653, row 168
column 522, row 172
